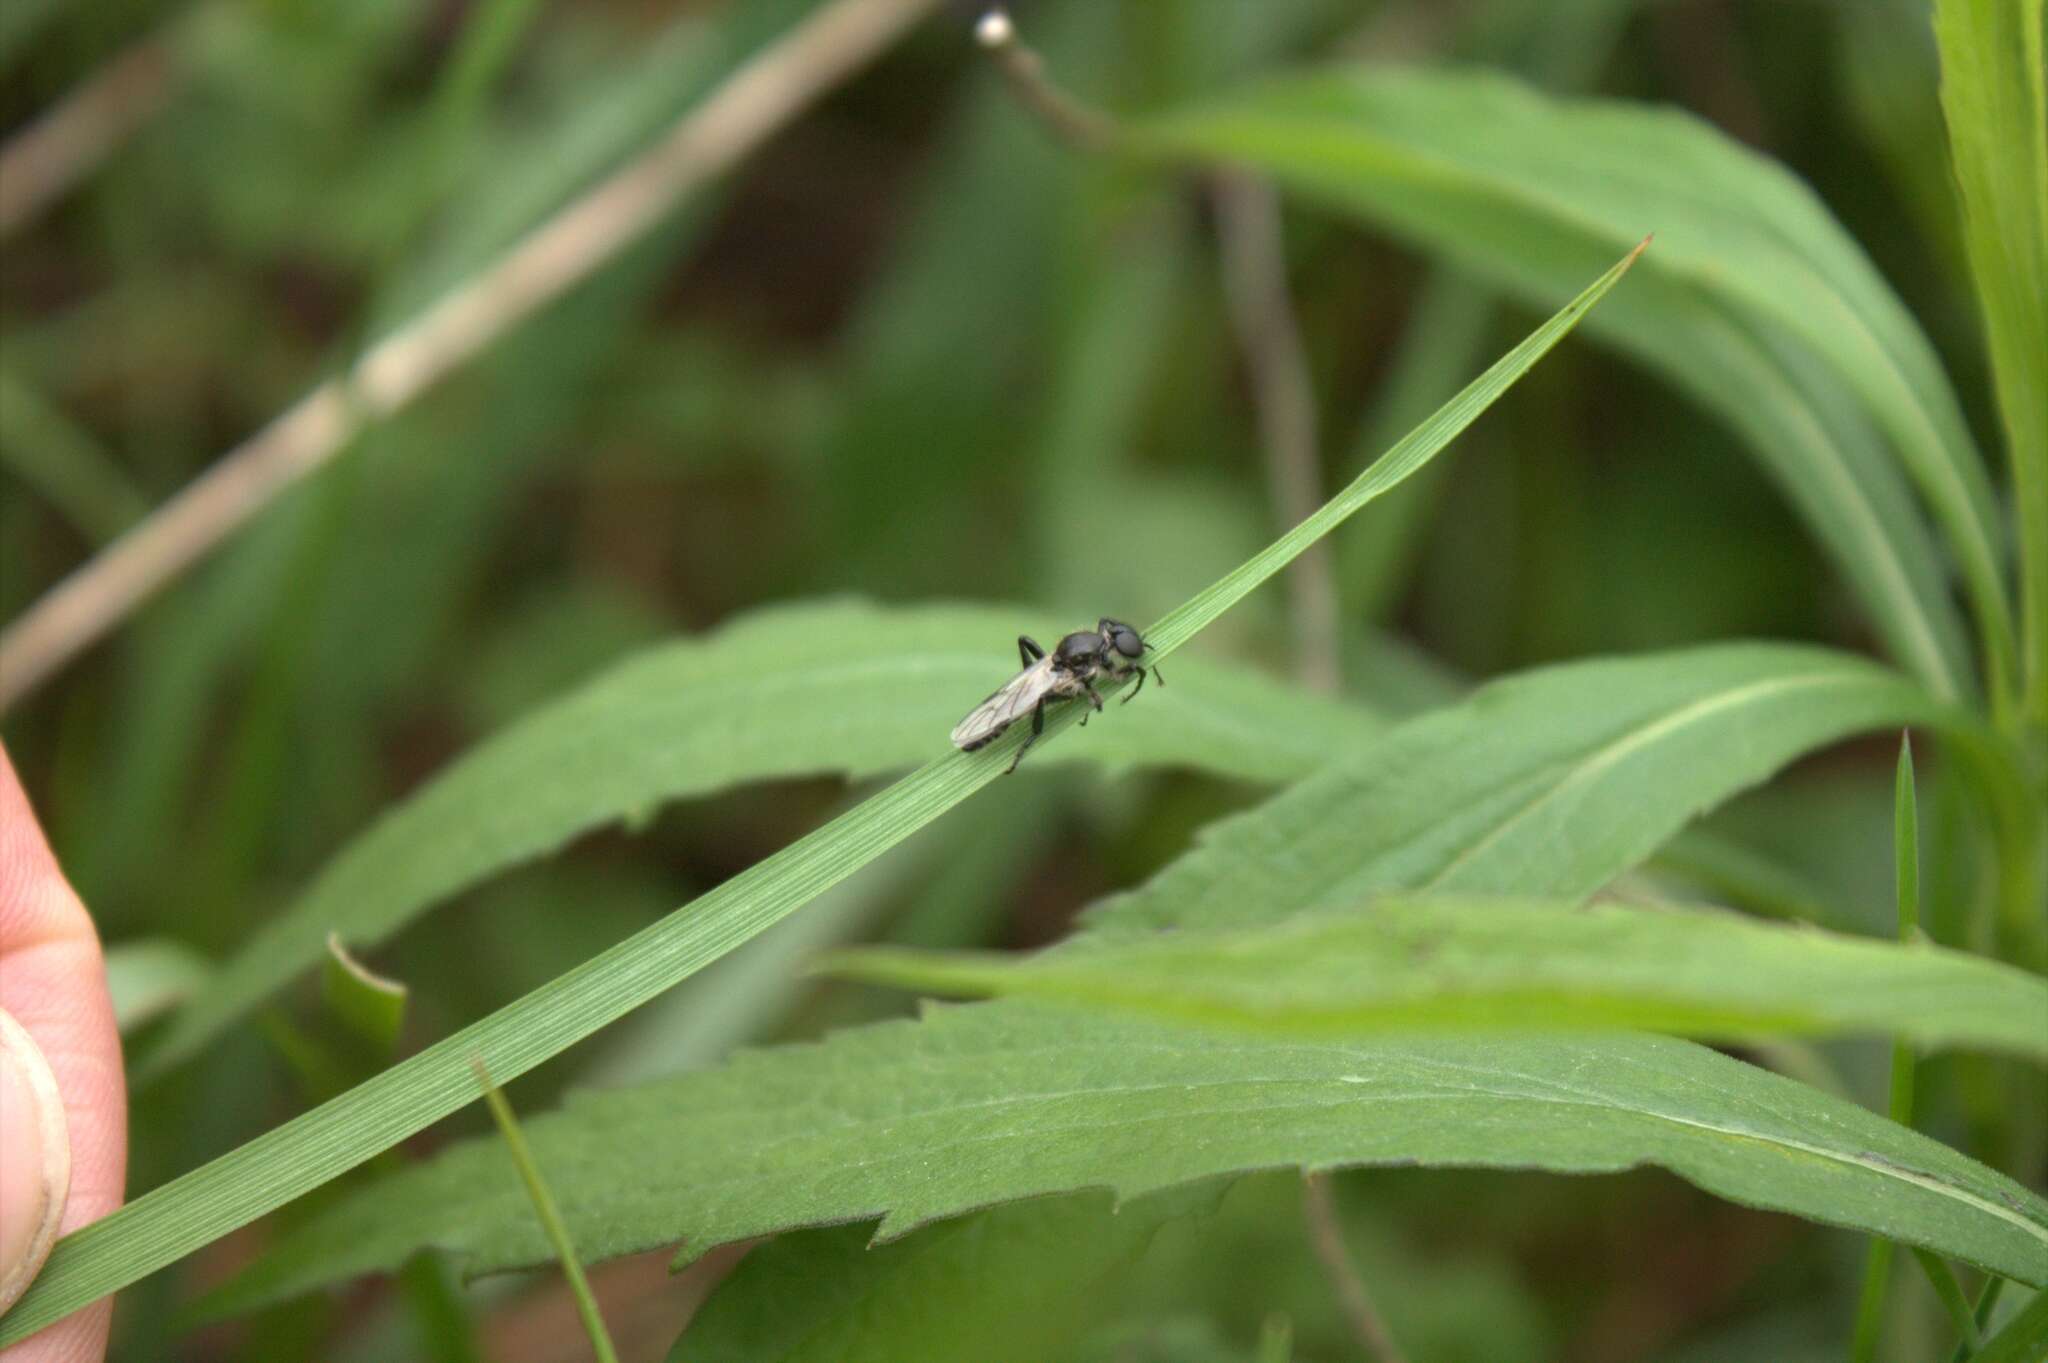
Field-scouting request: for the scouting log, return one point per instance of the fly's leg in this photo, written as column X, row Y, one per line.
column 1037, row 728
column 1028, row 649
column 1139, row 687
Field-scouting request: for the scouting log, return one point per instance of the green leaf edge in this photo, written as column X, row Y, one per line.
column 1100, row 977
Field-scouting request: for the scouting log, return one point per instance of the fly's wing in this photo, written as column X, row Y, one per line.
column 1016, row 700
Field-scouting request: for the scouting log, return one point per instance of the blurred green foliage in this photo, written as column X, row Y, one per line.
column 913, row 350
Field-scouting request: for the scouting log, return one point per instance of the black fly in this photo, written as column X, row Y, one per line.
column 1111, row 650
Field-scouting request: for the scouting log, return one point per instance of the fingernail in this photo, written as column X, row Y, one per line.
column 35, row 1159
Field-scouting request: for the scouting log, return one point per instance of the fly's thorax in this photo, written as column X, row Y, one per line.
column 1079, row 652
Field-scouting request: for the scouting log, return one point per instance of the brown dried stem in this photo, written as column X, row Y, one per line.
column 59, row 149
column 1327, row 1236
column 754, row 102
column 1255, row 281
column 1074, row 122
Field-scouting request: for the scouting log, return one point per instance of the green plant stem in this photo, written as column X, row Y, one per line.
column 1943, row 1280
column 550, row 1215
column 2024, row 1337
column 1877, row 1267
column 1276, row 1340
column 1986, row 1300
column 1877, row 1273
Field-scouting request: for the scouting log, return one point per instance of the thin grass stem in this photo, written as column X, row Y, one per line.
column 550, row 1214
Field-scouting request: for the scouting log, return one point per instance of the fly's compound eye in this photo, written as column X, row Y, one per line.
column 1126, row 641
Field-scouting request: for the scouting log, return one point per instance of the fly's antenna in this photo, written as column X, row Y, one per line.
column 1074, row 122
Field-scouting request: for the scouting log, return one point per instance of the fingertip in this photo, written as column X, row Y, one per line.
column 35, row 1176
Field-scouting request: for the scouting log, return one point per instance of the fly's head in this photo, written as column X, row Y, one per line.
column 1121, row 638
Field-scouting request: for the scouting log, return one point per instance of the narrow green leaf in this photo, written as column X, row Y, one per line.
column 1994, row 91
column 307, row 1151
column 1276, row 1340
column 1755, row 302
column 52, row 454
column 1550, row 782
column 1414, row 450
column 1871, row 1302
column 1906, row 842
column 1018, row 1283
column 1730, row 872
column 2024, row 1338
column 979, row 1104
column 370, row 1005
column 1943, row 1279
column 150, row 976
column 1439, row 963
column 844, row 687
column 1987, row 1302
column 1906, row 845
column 1877, row 1264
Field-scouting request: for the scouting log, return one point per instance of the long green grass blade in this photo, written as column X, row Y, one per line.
column 1994, row 91
column 47, row 451
column 300, row 1155
column 1987, row 1302
column 1417, row 449
column 2024, row 1338
column 823, row 688
column 1943, row 1280
column 1763, row 309
column 1877, row 1267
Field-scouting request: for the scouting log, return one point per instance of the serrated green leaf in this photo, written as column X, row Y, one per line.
column 1994, row 92
column 828, row 1296
column 1761, row 307
column 839, row 687
column 1442, row 963
column 974, row 1105
column 307, row 1151
column 1551, row 782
